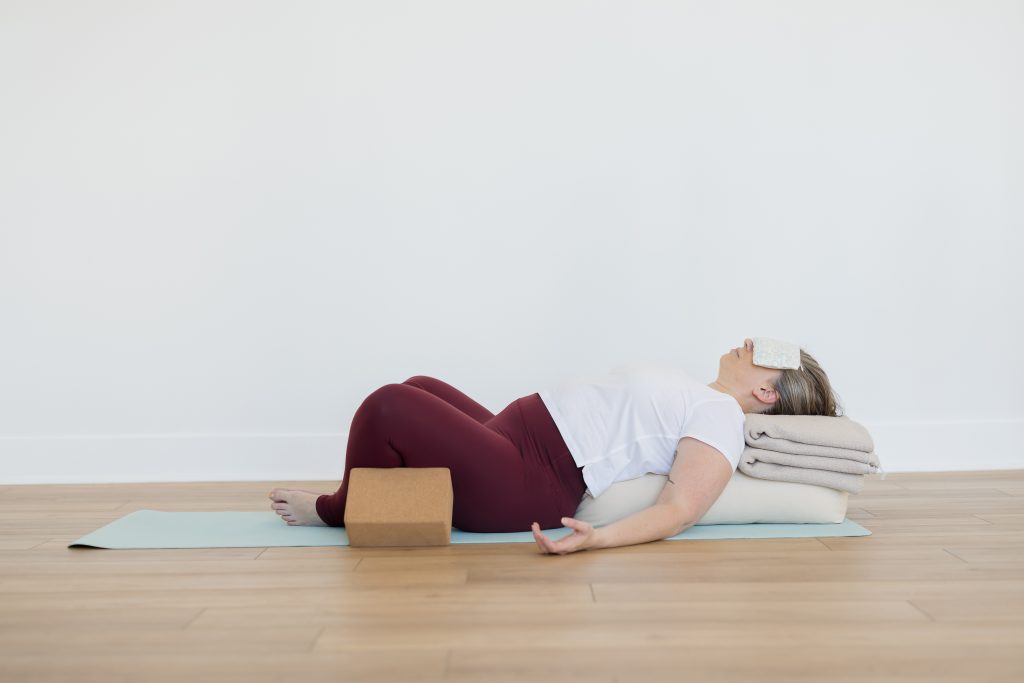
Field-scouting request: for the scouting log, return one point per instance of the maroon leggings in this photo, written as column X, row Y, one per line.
column 508, row 470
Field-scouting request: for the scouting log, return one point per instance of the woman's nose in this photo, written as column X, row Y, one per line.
column 748, row 344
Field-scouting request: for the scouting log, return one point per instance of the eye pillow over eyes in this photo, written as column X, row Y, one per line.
column 774, row 353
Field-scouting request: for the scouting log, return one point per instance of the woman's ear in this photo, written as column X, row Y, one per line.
column 767, row 394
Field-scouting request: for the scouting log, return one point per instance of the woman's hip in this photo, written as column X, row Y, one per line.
column 527, row 422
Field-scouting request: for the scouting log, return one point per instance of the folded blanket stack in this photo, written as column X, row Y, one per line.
column 809, row 449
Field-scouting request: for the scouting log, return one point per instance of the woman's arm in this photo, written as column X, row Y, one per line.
column 655, row 523
column 699, row 475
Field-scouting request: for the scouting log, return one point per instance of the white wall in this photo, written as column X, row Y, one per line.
column 225, row 223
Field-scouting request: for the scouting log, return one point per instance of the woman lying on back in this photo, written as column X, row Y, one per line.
column 529, row 466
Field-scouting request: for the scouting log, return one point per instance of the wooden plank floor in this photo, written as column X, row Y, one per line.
column 935, row 594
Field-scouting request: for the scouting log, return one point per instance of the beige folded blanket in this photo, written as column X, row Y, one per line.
column 809, row 449
column 749, row 465
column 811, row 434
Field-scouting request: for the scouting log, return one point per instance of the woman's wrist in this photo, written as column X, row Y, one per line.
column 654, row 523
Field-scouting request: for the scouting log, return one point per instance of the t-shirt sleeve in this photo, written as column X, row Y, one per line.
column 719, row 424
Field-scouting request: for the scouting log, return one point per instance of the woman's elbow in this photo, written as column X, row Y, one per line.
column 681, row 518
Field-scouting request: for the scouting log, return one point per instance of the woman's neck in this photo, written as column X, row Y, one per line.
column 718, row 386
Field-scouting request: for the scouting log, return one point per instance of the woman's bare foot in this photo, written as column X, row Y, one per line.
column 296, row 506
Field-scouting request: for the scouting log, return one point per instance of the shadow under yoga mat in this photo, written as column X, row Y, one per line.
column 154, row 529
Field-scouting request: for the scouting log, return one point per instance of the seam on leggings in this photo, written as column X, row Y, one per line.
column 556, row 487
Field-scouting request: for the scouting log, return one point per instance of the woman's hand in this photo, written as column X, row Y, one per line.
column 583, row 537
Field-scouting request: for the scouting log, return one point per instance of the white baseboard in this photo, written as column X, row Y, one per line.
column 920, row 446
column 948, row 445
column 172, row 458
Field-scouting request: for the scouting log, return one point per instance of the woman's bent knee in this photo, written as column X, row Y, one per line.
column 384, row 402
column 419, row 379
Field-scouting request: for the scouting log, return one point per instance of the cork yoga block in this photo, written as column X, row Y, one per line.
column 398, row 506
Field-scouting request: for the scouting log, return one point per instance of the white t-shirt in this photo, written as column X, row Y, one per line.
column 628, row 422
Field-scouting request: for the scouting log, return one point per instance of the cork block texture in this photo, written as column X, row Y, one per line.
column 399, row 506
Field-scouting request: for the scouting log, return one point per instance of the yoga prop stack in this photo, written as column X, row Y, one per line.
column 809, row 449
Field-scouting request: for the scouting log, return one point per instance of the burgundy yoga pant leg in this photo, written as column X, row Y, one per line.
column 403, row 425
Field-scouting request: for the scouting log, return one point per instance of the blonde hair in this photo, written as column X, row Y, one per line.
column 805, row 391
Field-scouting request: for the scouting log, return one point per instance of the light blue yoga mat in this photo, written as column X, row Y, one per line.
column 155, row 529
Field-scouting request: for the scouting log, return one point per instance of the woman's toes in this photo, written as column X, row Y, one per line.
column 297, row 506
